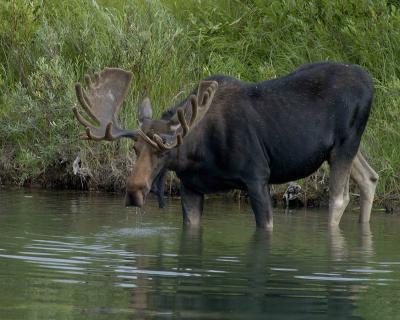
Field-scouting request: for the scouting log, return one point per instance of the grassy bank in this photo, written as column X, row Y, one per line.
column 46, row 46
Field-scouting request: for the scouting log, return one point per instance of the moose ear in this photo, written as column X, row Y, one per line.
column 145, row 111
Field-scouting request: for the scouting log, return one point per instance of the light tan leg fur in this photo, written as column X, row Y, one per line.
column 367, row 179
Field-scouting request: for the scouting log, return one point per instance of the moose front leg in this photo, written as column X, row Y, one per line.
column 192, row 206
column 260, row 200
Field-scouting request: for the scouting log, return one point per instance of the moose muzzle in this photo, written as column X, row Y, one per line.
column 134, row 199
column 135, row 195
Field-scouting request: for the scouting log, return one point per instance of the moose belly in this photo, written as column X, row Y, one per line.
column 289, row 169
column 206, row 183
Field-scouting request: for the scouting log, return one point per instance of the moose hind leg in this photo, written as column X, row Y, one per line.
column 338, row 190
column 367, row 179
column 192, row 206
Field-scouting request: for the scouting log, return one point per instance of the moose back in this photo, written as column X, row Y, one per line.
column 229, row 134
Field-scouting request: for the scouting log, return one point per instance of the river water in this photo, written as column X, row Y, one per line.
column 84, row 256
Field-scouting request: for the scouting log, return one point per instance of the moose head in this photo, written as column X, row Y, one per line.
column 155, row 140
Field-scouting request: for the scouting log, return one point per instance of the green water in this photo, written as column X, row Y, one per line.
column 85, row 256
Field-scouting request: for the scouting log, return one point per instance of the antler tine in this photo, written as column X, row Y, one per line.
column 88, row 81
column 91, row 136
column 108, row 135
column 96, row 78
column 164, row 147
column 148, row 139
column 85, row 101
column 193, row 103
column 182, row 120
column 204, row 98
column 87, row 135
column 208, row 93
column 80, row 118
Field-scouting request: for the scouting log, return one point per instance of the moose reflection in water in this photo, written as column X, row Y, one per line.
column 269, row 294
column 233, row 135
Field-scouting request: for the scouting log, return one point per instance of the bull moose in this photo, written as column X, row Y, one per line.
column 230, row 134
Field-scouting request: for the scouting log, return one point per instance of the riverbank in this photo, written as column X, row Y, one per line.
column 169, row 46
column 312, row 192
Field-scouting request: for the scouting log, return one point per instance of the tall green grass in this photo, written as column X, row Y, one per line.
column 41, row 63
column 45, row 46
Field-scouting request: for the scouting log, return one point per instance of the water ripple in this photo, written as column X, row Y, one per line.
column 42, row 259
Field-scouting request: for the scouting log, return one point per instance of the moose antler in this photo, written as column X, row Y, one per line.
column 106, row 92
column 199, row 104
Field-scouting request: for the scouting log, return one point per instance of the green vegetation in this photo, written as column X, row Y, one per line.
column 46, row 46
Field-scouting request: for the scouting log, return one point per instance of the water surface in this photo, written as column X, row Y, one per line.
column 84, row 256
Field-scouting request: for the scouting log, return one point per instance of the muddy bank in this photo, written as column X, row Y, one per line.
column 309, row 193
